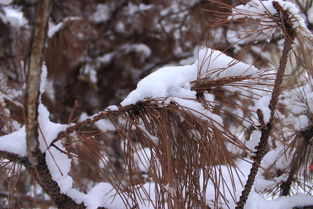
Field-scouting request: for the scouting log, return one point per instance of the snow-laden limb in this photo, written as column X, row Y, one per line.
column 176, row 81
column 106, row 195
column 58, row 163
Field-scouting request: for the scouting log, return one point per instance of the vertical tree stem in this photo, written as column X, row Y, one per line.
column 289, row 33
column 266, row 130
column 35, row 157
column 33, row 79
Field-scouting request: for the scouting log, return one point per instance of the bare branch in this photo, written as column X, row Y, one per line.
column 33, row 79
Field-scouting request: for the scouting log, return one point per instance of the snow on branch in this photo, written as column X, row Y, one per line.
column 270, row 18
column 172, row 128
column 176, row 81
column 168, row 96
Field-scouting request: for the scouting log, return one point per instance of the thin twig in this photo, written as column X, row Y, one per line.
column 15, row 158
column 299, row 158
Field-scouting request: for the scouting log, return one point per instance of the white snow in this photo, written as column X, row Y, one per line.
column 175, row 81
column 310, row 15
column 95, row 196
column 254, row 140
column 141, row 49
column 14, row 142
column 112, row 108
column 13, row 16
column 302, row 122
column 132, row 9
column 106, row 58
column 53, row 29
column 77, row 196
column 214, row 64
column 120, row 27
column 105, row 125
column 229, row 174
column 58, row 163
column 166, row 82
column 102, row 13
column 256, row 201
column 273, row 161
column 89, row 71
column 49, row 129
column 6, row 2
column 103, row 194
column 142, row 159
column 43, row 78
column 263, row 105
column 198, row 110
column 144, row 7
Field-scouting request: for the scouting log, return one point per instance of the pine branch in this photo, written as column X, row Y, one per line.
column 299, row 158
column 15, row 158
column 90, row 121
column 50, row 187
column 289, row 33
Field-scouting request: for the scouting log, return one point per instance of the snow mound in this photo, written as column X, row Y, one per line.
column 176, row 81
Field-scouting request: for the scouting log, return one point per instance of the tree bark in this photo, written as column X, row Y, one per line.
column 38, row 166
column 33, row 79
